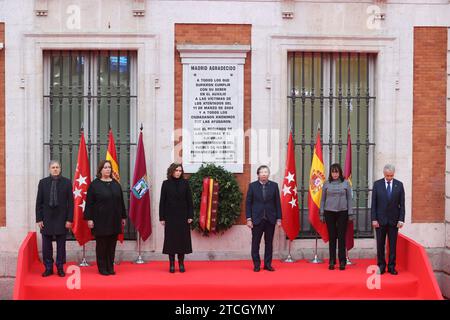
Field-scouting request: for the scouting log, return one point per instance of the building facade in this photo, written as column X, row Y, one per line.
column 380, row 68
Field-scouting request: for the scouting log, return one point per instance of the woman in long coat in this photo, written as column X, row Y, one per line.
column 106, row 214
column 176, row 212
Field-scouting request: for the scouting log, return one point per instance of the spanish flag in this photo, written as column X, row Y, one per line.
column 111, row 155
column 316, row 181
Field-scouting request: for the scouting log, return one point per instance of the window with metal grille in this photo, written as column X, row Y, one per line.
column 335, row 91
column 96, row 90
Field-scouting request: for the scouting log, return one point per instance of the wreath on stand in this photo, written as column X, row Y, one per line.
column 229, row 200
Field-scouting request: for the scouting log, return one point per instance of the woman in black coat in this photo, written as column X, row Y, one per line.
column 176, row 212
column 106, row 214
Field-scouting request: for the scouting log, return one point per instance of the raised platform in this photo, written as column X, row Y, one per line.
column 222, row 280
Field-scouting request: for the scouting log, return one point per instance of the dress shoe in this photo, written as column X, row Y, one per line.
column 47, row 273
column 256, row 269
column 331, row 267
column 342, row 267
column 393, row 272
column 61, row 273
column 269, row 268
column 112, row 272
column 381, row 271
column 104, row 273
column 181, row 265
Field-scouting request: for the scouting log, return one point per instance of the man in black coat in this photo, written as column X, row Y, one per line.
column 388, row 215
column 54, row 215
column 263, row 211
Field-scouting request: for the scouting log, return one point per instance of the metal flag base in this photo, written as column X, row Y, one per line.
column 349, row 262
column 139, row 260
column 289, row 258
column 84, row 263
column 316, row 259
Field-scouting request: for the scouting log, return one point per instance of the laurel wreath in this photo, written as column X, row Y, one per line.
column 230, row 197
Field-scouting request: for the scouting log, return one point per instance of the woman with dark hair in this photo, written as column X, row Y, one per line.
column 336, row 205
column 106, row 214
column 176, row 212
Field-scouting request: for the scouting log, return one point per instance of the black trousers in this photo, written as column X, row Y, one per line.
column 268, row 229
column 105, row 250
column 47, row 251
column 337, row 226
column 391, row 232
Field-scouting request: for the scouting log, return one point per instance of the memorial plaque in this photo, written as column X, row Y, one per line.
column 213, row 115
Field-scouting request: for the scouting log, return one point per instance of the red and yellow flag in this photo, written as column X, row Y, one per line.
column 209, row 205
column 316, row 181
column 111, row 155
column 204, row 204
column 208, row 218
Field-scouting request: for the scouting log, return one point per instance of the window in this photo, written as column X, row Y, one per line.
column 96, row 90
column 335, row 91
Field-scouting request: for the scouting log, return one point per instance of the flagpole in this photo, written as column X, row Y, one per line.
column 316, row 258
column 289, row 257
column 349, row 262
column 84, row 262
column 139, row 259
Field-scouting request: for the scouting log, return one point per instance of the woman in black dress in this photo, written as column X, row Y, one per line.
column 106, row 214
column 176, row 212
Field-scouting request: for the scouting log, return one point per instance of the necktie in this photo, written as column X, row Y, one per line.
column 264, row 191
column 389, row 190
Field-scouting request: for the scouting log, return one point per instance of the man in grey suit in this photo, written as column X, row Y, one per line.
column 388, row 215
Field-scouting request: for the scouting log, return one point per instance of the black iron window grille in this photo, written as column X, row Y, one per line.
column 96, row 89
column 335, row 91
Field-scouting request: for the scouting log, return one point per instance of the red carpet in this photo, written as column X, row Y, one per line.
column 227, row 280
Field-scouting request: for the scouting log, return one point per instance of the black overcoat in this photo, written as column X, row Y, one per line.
column 105, row 206
column 54, row 218
column 175, row 208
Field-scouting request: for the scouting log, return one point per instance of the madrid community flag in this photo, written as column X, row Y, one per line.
column 289, row 197
column 349, row 242
column 316, row 181
column 111, row 155
column 81, row 182
column 140, row 195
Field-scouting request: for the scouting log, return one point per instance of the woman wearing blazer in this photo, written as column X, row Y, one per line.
column 336, row 205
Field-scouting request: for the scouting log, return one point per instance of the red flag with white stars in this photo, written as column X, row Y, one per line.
column 81, row 183
column 289, row 196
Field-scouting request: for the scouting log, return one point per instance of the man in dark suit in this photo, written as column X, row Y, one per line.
column 388, row 215
column 263, row 211
column 54, row 215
